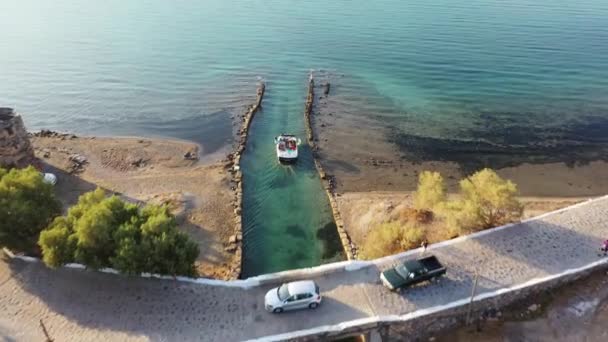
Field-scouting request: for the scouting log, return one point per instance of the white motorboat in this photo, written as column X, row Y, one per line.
column 287, row 148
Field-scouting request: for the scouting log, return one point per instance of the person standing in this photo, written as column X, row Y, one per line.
column 424, row 245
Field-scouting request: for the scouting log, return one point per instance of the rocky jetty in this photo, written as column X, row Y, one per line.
column 15, row 147
column 329, row 182
column 232, row 163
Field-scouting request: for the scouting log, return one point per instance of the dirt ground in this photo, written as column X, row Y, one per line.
column 575, row 312
column 363, row 210
column 149, row 170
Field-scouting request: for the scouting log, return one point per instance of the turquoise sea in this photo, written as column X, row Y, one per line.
column 477, row 75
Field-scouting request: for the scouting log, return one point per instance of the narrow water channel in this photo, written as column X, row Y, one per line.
column 287, row 221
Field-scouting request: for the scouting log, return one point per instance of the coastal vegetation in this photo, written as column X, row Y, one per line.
column 391, row 238
column 484, row 200
column 431, row 191
column 102, row 231
column 98, row 231
column 28, row 205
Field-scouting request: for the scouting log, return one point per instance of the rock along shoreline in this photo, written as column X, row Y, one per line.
column 327, row 180
column 233, row 164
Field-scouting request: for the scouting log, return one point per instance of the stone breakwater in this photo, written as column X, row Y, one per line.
column 327, row 180
column 233, row 164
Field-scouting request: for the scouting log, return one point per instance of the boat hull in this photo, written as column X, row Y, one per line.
column 283, row 160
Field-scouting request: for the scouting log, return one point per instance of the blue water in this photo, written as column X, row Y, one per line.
column 513, row 74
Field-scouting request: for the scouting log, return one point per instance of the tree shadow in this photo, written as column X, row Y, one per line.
column 209, row 252
column 506, row 258
column 70, row 187
column 158, row 309
column 331, row 311
column 501, row 259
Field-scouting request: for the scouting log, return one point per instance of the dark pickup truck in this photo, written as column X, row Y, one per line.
column 412, row 272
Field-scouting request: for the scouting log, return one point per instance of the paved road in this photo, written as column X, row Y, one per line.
column 90, row 306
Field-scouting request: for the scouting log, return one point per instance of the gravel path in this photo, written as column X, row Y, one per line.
column 90, row 306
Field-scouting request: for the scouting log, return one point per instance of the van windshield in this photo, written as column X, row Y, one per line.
column 283, row 292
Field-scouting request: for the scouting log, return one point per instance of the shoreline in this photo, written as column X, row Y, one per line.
column 359, row 148
column 148, row 170
column 233, row 165
column 327, row 180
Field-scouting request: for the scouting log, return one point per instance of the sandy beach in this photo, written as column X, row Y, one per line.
column 150, row 170
column 374, row 177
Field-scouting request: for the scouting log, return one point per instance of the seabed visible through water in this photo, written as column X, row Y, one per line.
column 287, row 220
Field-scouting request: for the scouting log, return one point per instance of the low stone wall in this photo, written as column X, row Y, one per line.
column 424, row 323
column 426, row 326
column 234, row 159
column 327, row 180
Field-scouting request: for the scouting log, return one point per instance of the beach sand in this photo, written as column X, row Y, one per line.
column 363, row 160
column 373, row 174
column 151, row 170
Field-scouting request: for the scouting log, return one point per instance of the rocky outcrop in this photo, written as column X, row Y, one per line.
column 15, row 147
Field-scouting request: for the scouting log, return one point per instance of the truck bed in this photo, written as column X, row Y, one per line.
column 431, row 263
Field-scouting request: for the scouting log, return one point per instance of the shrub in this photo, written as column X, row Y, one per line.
column 412, row 237
column 390, row 238
column 27, row 205
column 411, row 215
column 430, row 191
column 486, row 200
column 108, row 232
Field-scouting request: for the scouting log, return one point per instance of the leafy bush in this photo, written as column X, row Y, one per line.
column 430, row 191
column 486, row 200
column 108, row 232
column 390, row 238
column 27, row 205
column 412, row 237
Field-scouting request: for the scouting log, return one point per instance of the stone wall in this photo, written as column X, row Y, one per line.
column 424, row 324
column 327, row 180
column 233, row 164
column 15, row 147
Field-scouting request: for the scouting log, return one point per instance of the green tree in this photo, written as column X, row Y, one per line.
column 108, row 232
column 430, row 191
column 27, row 205
column 58, row 245
column 486, row 200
